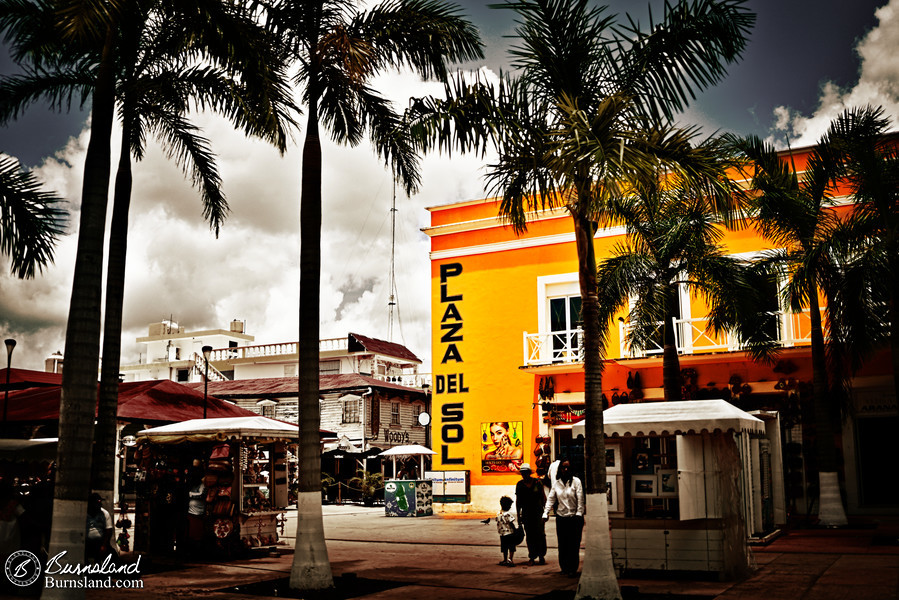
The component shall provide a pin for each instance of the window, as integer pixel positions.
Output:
(329, 367)
(416, 411)
(395, 413)
(558, 318)
(351, 411)
(183, 375)
(564, 317)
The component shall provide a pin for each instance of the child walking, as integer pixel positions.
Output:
(505, 525)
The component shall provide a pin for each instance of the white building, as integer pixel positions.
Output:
(176, 354)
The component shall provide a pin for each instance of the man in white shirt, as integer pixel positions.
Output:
(567, 495)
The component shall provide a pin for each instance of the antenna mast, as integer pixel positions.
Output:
(392, 299)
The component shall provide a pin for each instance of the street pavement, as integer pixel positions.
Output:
(455, 556)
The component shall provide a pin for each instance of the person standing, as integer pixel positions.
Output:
(529, 500)
(505, 526)
(98, 540)
(196, 510)
(567, 495)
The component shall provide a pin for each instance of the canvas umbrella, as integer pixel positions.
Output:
(408, 450)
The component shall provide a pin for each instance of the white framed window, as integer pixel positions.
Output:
(394, 413)
(559, 317)
(416, 411)
(351, 410)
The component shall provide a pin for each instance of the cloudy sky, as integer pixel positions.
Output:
(807, 60)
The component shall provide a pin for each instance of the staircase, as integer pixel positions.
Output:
(199, 370)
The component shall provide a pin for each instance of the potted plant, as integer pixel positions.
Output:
(327, 483)
(370, 484)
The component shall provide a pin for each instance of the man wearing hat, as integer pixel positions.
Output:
(529, 500)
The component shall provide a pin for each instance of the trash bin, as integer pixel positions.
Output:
(408, 498)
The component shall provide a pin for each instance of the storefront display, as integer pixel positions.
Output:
(208, 485)
(673, 470)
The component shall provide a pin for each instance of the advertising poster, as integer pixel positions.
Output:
(501, 446)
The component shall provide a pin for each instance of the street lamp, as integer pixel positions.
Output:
(10, 346)
(207, 350)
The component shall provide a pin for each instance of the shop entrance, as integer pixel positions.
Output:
(875, 443)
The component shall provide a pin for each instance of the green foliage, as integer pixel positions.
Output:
(31, 220)
(369, 483)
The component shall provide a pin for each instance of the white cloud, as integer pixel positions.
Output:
(176, 267)
(878, 84)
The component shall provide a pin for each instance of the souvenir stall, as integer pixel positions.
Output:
(405, 497)
(680, 486)
(213, 484)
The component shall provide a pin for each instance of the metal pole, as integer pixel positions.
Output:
(10, 346)
(206, 351)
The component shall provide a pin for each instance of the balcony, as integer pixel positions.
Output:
(556, 347)
(692, 336)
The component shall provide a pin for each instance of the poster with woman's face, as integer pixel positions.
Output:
(502, 446)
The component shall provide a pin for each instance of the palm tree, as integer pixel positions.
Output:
(59, 72)
(31, 220)
(157, 81)
(339, 50)
(673, 222)
(869, 167)
(579, 71)
(797, 214)
(46, 34)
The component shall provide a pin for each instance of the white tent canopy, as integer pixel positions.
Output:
(408, 450)
(198, 430)
(671, 418)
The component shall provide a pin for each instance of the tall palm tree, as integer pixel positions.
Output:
(43, 35)
(797, 214)
(31, 220)
(157, 82)
(673, 218)
(137, 42)
(869, 167)
(339, 50)
(579, 70)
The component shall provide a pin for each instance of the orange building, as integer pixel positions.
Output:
(508, 377)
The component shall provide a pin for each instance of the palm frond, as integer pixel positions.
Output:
(664, 65)
(31, 220)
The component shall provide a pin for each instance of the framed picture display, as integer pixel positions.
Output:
(667, 483)
(612, 493)
(644, 486)
(643, 461)
(613, 458)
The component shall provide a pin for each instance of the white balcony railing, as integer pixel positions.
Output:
(553, 347)
(413, 380)
(692, 336)
(282, 349)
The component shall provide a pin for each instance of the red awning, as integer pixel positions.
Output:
(142, 401)
(19, 379)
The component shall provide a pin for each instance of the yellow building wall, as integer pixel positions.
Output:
(482, 305)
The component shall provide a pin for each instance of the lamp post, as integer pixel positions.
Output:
(207, 350)
(10, 346)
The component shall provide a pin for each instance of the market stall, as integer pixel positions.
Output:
(217, 484)
(408, 497)
(681, 490)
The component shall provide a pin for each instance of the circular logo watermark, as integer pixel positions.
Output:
(22, 568)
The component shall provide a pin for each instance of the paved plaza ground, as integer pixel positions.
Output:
(449, 557)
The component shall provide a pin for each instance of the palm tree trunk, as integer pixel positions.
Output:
(893, 312)
(598, 578)
(830, 505)
(311, 568)
(78, 400)
(106, 434)
(670, 360)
